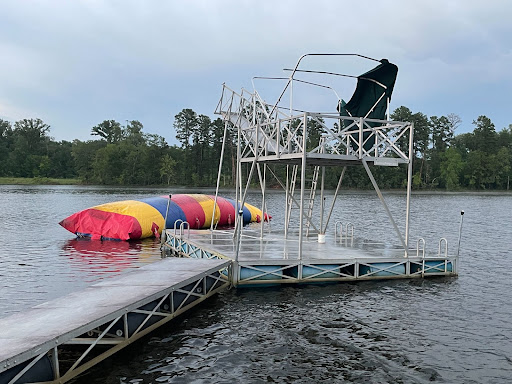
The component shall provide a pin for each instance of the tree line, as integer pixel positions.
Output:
(126, 155)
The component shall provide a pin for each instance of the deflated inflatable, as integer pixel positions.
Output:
(137, 219)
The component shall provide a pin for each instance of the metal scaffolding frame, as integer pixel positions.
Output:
(271, 134)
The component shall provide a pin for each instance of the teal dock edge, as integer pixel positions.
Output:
(271, 270)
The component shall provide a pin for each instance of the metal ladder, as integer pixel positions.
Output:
(309, 201)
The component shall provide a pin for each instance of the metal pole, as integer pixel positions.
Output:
(334, 198)
(322, 186)
(409, 182)
(239, 230)
(360, 149)
(167, 211)
(302, 185)
(377, 189)
(291, 94)
(460, 231)
(238, 176)
(287, 197)
(263, 187)
(220, 171)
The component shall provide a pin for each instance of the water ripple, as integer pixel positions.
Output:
(447, 330)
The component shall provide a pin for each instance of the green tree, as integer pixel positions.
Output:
(485, 137)
(315, 131)
(84, 153)
(62, 163)
(109, 163)
(185, 123)
(110, 130)
(421, 136)
(505, 137)
(502, 167)
(442, 133)
(167, 168)
(133, 133)
(30, 142)
(34, 132)
(5, 146)
(44, 167)
(451, 168)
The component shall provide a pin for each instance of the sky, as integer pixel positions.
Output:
(76, 63)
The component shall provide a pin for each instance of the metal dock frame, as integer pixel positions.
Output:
(257, 272)
(112, 330)
(272, 135)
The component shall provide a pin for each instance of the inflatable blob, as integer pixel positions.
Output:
(137, 219)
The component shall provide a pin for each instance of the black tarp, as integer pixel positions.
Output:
(365, 100)
(368, 91)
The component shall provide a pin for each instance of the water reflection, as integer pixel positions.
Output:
(96, 256)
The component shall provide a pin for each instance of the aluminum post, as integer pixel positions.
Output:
(409, 182)
(460, 231)
(220, 171)
(379, 193)
(302, 185)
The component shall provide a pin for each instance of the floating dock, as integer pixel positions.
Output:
(272, 260)
(291, 145)
(102, 319)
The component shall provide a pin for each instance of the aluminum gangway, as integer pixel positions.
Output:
(55, 341)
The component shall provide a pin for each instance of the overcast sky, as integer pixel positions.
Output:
(76, 63)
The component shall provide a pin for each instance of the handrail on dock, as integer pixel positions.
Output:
(441, 241)
(349, 229)
(421, 241)
(181, 227)
(336, 225)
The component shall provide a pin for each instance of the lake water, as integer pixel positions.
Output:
(450, 330)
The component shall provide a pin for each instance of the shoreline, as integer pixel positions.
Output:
(77, 182)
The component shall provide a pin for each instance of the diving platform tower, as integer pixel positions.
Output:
(304, 142)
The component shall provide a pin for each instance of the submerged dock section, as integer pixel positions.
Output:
(290, 143)
(57, 340)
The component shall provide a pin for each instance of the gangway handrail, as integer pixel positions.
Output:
(176, 225)
(180, 224)
(422, 241)
(351, 227)
(441, 241)
(336, 224)
(182, 227)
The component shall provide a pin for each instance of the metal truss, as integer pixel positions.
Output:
(289, 271)
(100, 339)
(269, 135)
(273, 136)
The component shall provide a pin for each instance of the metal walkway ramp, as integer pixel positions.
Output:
(103, 318)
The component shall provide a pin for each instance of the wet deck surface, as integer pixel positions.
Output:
(59, 320)
(275, 247)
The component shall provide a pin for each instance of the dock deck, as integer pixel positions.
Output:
(103, 318)
(275, 259)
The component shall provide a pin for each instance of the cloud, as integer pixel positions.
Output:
(78, 62)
